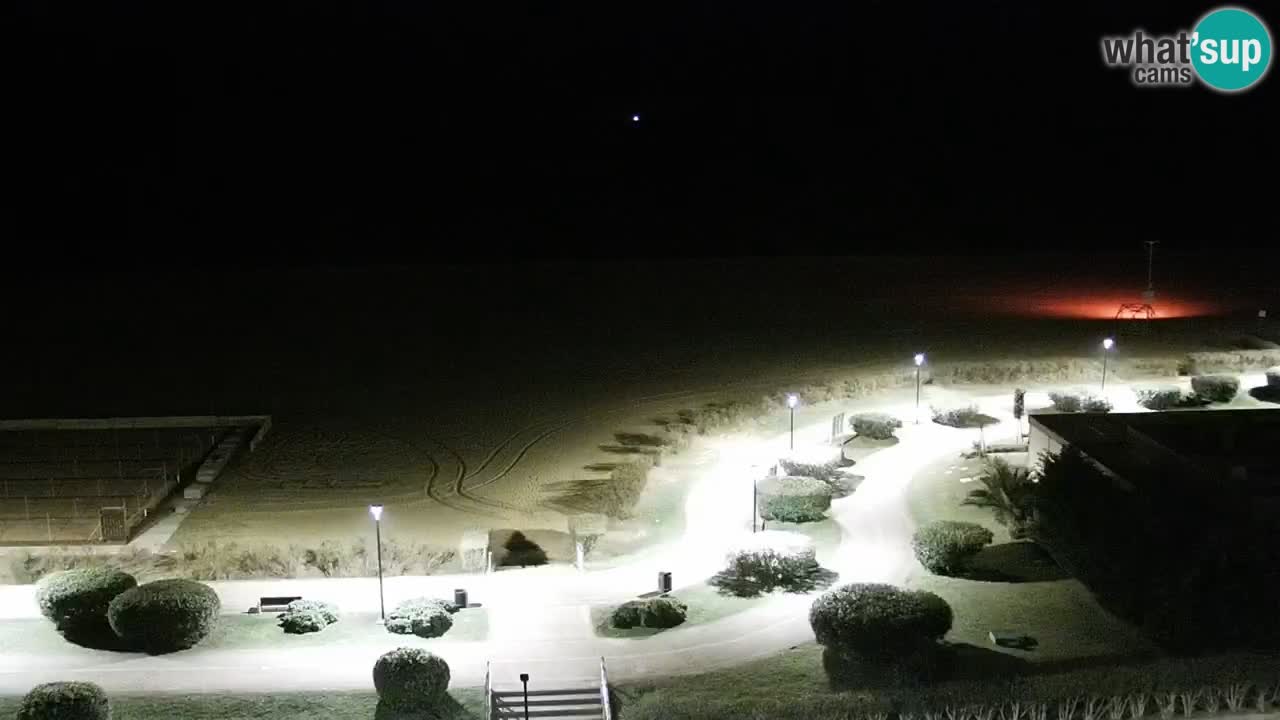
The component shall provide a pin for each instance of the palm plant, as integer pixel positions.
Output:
(1008, 492)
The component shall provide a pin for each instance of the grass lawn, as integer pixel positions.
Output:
(246, 632)
(1013, 585)
(468, 704)
(706, 604)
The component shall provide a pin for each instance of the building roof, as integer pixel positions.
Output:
(1145, 449)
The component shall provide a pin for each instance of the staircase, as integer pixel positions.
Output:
(584, 700)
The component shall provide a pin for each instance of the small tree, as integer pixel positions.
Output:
(523, 552)
(1009, 492)
(1019, 406)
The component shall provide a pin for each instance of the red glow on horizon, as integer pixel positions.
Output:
(1096, 307)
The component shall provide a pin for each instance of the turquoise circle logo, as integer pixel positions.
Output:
(1231, 49)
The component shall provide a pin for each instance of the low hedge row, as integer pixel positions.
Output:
(792, 498)
(944, 547)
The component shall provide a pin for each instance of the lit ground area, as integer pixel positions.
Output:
(356, 631)
(467, 704)
(508, 461)
(56, 483)
(1014, 586)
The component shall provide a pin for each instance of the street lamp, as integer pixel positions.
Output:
(792, 401)
(1107, 344)
(919, 361)
(376, 512)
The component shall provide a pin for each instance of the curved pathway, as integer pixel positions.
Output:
(539, 617)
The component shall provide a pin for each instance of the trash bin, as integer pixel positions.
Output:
(664, 582)
(460, 598)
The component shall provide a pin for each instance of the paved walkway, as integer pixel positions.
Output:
(539, 617)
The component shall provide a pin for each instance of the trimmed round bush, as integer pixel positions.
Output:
(1273, 377)
(877, 426)
(302, 622)
(877, 620)
(424, 617)
(327, 611)
(164, 615)
(1216, 388)
(793, 498)
(65, 701)
(410, 677)
(1166, 397)
(944, 547)
(658, 612)
(75, 598)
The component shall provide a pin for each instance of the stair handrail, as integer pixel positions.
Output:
(488, 692)
(604, 691)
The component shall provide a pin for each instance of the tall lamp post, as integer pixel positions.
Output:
(376, 512)
(1107, 344)
(792, 401)
(919, 361)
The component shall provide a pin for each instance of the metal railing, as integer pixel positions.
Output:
(604, 691)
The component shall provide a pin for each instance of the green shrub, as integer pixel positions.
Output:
(164, 615)
(65, 701)
(1159, 398)
(879, 621)
(523, 552)
(1216, 388)
(1019, 403)
(424, 617)
(1066, 402)
(964, 417)
(832, 473)
(410, 678)
(658, 612)
(944, 547)
(308, 616)
(877, 426)
(1073, 402)
(768, 561)
(1095, 404)
(74, 599)
(328, 611)
(791, 498)
(302, 622)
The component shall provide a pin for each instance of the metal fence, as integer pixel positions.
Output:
(75, 486)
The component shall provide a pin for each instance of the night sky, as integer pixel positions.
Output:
(330, 132)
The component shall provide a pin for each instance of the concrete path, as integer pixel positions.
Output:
(539, 617)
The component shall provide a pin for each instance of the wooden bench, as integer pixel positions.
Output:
(278, 603)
